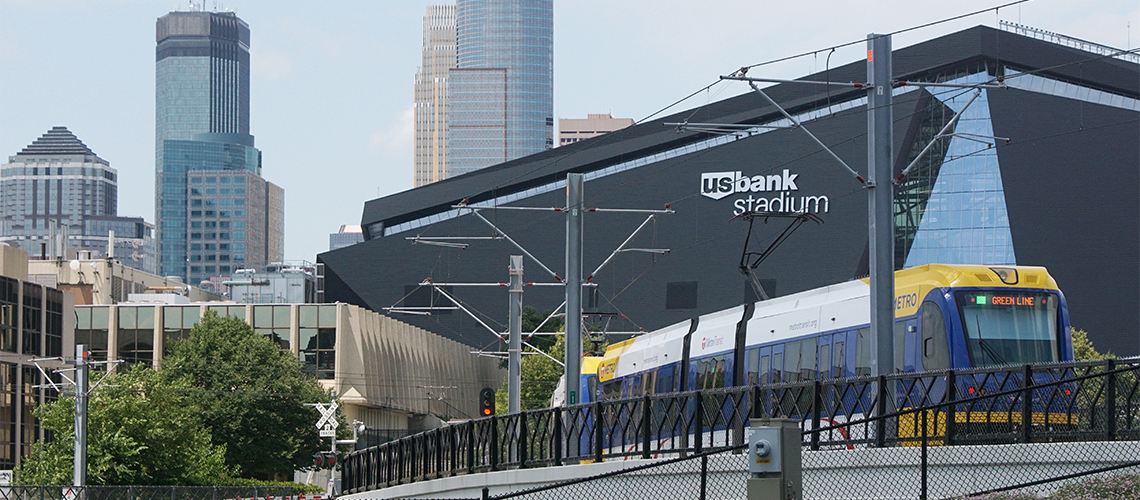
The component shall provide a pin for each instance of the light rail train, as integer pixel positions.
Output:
(946, 316)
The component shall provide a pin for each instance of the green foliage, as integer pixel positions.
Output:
(1083, 349)
(250, 394)
(141, 430)
(539, 376)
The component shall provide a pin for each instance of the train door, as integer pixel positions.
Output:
(778, 364)
(824, 357)
(765, 376)
(752, 366)
(839, 343)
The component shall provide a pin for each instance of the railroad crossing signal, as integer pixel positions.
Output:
(324, 460)
(327, 423)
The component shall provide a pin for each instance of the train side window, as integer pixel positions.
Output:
(765, 377)
(718, 374)
(665, 380)
(792, 362)
(751, 366)
(701, 374)
(648, 383)
(777, 368)
(824, 361)
(808, 350)
(611, 390)
(592, 387)
(838, 360)
(863, 352)
(935, 345)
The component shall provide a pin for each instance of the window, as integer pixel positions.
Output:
(838, 360)
(863, 352)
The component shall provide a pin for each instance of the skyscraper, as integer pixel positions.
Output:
(500, 97)
(431, 94)
(58, 182)
(202, 135)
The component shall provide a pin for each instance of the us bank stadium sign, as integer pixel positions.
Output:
(765, 193)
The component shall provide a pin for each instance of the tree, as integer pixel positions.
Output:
(141, 430)
(1083, 349)
(250, 394)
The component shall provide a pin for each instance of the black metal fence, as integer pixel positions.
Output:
(148, 493)
(1029, 404)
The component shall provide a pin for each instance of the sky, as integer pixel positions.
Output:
(332, 81)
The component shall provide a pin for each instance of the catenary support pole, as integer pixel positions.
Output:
(880, 206)
(514, 383)
(574, 204)
(81, 367)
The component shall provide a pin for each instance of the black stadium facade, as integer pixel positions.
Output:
(1059, 187)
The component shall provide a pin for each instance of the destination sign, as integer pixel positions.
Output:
(1010, 300)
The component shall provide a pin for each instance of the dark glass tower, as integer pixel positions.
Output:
(201, 124)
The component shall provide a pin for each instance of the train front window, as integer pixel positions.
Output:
(1005, 328)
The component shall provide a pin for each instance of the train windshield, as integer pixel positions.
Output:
(1005, 328)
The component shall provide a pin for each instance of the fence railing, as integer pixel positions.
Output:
(1033, 403)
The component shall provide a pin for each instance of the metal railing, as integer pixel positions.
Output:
(1067, 402)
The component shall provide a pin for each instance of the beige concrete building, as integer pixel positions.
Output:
(394, 377)
(439, 56)
(571, 130)
(97, 281)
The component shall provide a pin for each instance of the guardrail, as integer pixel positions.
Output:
(151, 493)
(1067, 402)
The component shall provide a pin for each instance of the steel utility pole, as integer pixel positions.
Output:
(81, 367)
(880, 202)
(514, 385)
(574, 204)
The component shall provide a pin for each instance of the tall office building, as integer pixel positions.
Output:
(500, 97)
(57, 195)
(431, 94)
(213, 210)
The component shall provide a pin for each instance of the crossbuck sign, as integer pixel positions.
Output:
(327, 423)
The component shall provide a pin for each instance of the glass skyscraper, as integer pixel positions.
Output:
(202, 132)
(500, 97)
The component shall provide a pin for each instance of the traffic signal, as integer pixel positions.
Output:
(324, 460)
(487, 402)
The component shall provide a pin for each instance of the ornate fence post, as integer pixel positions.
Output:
(951, 409)
(522, 445)
(470, 446)
(556, 414)
(815, 409)
(1110, 398)
(646, 423)
(699, 421)
(881, 405)
(599, 422)
(494, 444)
(1027, 404)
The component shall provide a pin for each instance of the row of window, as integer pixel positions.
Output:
(198, 214)
(218, 180)
(236, 235)
(223, 202)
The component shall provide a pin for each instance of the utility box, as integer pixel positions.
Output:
(774, 467)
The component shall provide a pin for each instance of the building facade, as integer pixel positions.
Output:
(500, 96)
(348, 234)
(208, 172)
(571, 130)
(431, 94)
(58, 196)
(35, 322)
(1058, 134)
(379, 367)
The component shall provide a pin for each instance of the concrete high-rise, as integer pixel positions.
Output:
(58, 182)
(571, 130)
(202, 135)
(500, 96)
(431, 94)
